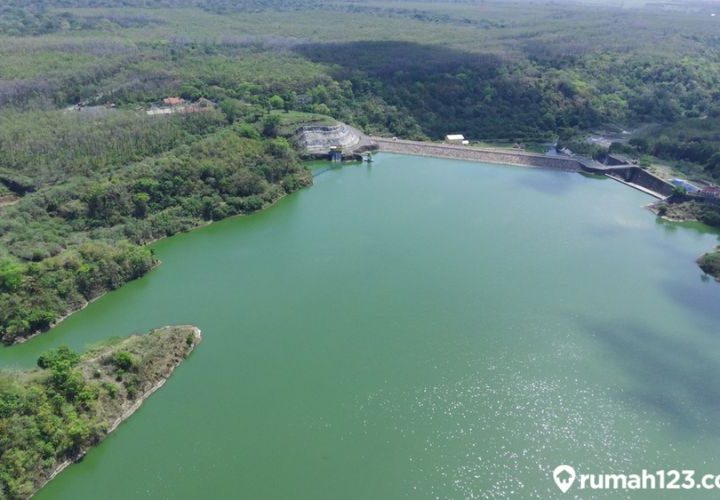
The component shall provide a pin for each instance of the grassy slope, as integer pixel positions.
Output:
(51, 417)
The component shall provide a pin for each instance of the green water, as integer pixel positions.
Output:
(417, 328)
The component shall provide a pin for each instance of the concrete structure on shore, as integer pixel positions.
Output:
(635, 177)
(490, 155)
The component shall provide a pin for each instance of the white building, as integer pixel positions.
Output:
(454, 138)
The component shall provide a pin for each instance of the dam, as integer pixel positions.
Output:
(628, 174)
(341, 142)
(491, 155)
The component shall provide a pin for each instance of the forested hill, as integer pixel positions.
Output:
(88, 176)
(78, 232)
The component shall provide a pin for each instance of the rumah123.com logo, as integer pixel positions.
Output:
(564, 477)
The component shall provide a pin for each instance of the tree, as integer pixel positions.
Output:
(190, 92)
(124, 361)
(140, 201)
(58, 356)
(10, 275)
(276, 102)
(713, 165)
(271, 125)
(232, 108)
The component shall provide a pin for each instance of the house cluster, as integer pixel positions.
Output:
(171, 105)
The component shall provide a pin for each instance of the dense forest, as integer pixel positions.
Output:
(78, 230)
(87, 177)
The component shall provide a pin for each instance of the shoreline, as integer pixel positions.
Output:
(684, 215)
(128, 412)
(58, 321)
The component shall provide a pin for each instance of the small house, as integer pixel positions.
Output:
(454, 138)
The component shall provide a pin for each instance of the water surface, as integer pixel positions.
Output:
(412, 329)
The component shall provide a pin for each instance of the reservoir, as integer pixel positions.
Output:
(416, 328)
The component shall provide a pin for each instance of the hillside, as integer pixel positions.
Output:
(77, 234)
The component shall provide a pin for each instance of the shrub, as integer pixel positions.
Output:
(124, 361)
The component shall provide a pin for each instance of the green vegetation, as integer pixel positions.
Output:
(678, 207)
(75, 233)
(95, 184)
(710, 263)
(52, 415)
(288, 122)
(88, 178)
(690, 142)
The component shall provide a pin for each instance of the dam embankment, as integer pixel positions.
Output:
(490, 155)
(631, 175)
(636, 177)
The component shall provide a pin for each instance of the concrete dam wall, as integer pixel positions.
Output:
(636, 177)
(631, 175)
(506, 157)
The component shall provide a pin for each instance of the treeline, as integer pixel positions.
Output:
(43, 148)
(71, 86)
(33, 19)
(491, 97)
(443, 91)
(67, 243)
(42, 17)
(410, 89)
(695, 140)
(35, 295)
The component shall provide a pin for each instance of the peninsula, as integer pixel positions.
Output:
(51, 416)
